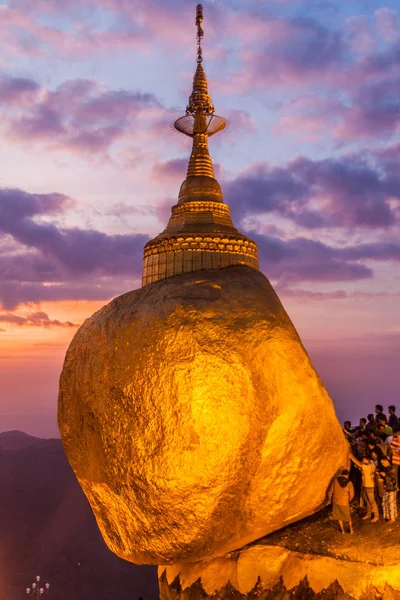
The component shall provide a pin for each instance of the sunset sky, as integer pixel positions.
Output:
(89, 168)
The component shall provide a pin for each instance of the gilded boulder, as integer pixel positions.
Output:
(193, 418)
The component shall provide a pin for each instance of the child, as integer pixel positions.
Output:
(341, 494)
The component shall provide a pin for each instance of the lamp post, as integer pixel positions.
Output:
(35, 590)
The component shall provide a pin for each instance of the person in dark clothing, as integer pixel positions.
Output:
(392, 421)
(341, 493)
(348, 431)
(361, 446)
(379, 412)
(381, 432)
(362, 426)
(371, 425)
(389, 504)
(373, 447)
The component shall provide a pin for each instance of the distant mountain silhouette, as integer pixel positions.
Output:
(47, 528)
(16, 440)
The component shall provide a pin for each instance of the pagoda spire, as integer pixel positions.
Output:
(200, 101)
(200, 122)
(200, 233)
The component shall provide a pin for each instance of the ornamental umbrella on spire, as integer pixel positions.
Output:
(200, 233)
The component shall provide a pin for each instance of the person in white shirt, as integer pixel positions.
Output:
(368, 468)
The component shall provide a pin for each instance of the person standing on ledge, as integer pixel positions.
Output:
(341, 494)
(387, 429)
(395, 448)
(368, 469)
(371, 425)
(389, 504)
(379, 412)
(392, 421)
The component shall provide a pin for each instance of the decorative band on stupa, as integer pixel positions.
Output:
(200, 233)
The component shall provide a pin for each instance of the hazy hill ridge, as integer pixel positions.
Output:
(47, 528)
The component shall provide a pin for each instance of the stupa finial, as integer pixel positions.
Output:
(200, 117)
(200, 101)
(200, 122)
(200, 233)
(200, 32)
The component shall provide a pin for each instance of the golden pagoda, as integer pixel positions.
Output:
(187, 407)
(200, 233)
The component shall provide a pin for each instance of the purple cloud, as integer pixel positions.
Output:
(78, 250)
(17, 90)
(380, 251)
(269, 53)
(283, 52)
(35, 319)
(174, 171)
(375, 111)
(28, 266)
(45, 253)
(79, 115)
(351, 73)
(302, 259)
(87, 264)
(15, 293)
(349, 191)
(16, 204)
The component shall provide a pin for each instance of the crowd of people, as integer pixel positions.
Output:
(373, 477)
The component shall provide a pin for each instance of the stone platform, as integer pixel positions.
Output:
(308, 560)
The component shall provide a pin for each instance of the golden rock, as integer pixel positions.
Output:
(193, 418)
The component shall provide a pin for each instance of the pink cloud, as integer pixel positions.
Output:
(136, 25)
(34, 319)
(282, 52)
(309, 116)
(360, 35)
(388, 25)
(375, 112)
(79, 115)
(369, 109)
(22, 34)
(170, 172)
(238, 122)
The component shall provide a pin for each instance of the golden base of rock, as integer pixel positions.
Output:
(193, 418)
(308, 560)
